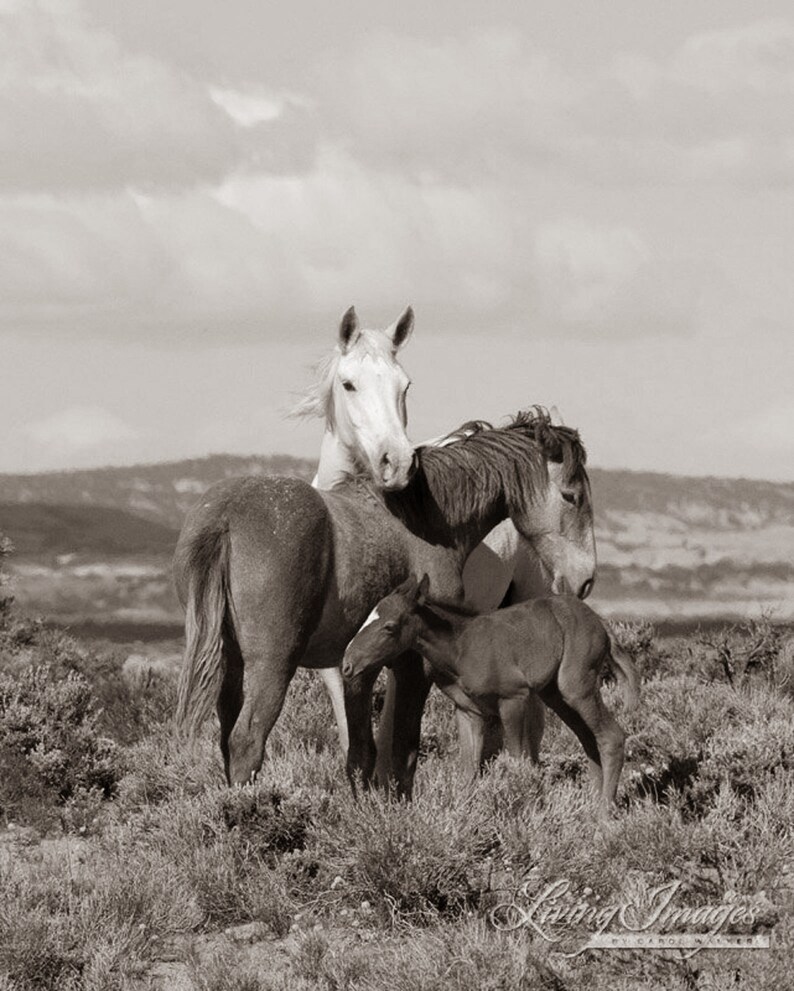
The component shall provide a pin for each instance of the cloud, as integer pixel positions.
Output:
(266, 255)
(717, 109)
(80, 429)
(77, 112)
(754, 57)
(454, 108)
(490, 104)
(608, 281)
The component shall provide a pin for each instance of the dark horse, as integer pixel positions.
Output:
(275, 574)
(490, 664)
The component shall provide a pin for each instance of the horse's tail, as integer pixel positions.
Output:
(626, 672)
(207, 623)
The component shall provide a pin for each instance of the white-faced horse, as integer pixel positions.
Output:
(360, 393)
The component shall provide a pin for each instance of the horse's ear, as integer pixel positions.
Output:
(556, 417)
(400, 330)
(422, 589)
(348, 328)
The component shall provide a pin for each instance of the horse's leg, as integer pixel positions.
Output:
(383, 764)
(493, 739)
(230, 697)
(579, 688)
(332, 679)
(270, 664)
(530, 581)
(553, 698)
(534, 719)
(610, 739)
(358, 709)
(413, 683)
(512, 715)
(471, 737)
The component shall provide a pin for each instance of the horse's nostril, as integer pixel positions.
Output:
(347, 669)
(385, 460)
(586, 589)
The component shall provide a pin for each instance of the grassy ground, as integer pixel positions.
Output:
(126, 864)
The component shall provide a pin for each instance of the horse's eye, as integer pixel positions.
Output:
(348, 387)
(390, 627)
(569, 497)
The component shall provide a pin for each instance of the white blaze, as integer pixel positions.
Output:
(373, 616)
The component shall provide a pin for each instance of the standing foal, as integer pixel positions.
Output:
(488, 665)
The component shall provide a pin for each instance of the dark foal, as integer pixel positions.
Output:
(489, 664)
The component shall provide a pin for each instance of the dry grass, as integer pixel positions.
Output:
(290, 884)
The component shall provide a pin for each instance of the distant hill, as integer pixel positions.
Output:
(164, 492)
(160, 492)
(40, 531)
(667, 545)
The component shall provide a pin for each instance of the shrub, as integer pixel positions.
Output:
(50, 746)
(412, 862)
(5, 600)
(737, 652)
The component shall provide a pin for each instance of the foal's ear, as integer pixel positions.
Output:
(400, 330)
(422, 589)
(348, 328)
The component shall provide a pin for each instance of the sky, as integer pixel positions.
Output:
(587, 205)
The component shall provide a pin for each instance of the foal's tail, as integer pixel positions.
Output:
(626, 672)
(207, 622)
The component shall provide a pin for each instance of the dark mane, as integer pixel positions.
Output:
(561, 444)
(478, 464)
(479, 468)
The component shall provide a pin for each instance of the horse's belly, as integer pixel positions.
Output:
(354, 591)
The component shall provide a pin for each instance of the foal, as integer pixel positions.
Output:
(488, 664)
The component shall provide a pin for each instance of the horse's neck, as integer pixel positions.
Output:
(336, 462)
(437, 642)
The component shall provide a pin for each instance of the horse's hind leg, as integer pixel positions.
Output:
(553, 698)
(230, 697)
(268, 670)
(610, 739)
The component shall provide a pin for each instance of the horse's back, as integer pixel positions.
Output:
(269, 521)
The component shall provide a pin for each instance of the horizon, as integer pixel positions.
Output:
(247, 456)
(587, 208)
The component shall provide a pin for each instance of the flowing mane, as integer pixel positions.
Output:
(316, 400)
(478, 465)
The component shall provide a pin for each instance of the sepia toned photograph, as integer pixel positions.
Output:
(396, 495)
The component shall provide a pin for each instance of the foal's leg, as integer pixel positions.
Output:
(578, 684)
(512, 714)
(552, 696)
(610, 740)
(471, 738)
(534, 719)
(493, 739)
